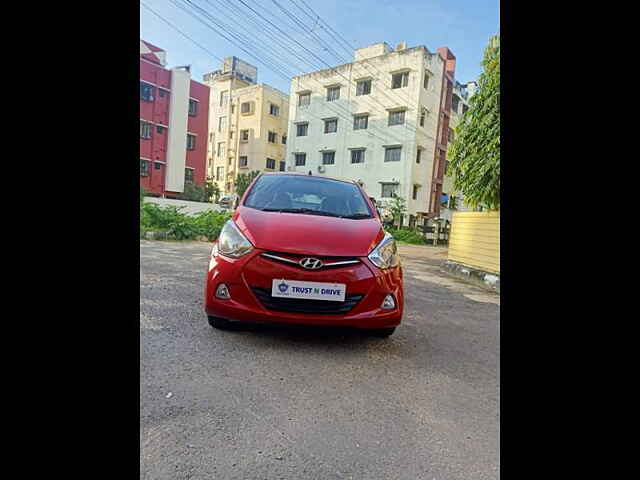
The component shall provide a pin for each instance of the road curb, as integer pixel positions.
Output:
(481, 278)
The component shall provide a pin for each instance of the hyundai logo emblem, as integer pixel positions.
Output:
(311, 263)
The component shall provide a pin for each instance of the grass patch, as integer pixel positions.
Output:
(404, 235)
(178, 225)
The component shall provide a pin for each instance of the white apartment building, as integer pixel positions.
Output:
(382, 120)
(247, 124)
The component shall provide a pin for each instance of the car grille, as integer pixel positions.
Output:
(293, 260)
(297, 305)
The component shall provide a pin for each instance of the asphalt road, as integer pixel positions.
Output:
(314, 403)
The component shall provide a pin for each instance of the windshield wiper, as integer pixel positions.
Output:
(357, 215)
(309, 211)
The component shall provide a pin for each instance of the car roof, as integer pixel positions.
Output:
(300, 174)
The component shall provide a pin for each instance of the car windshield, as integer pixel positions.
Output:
(307, 195)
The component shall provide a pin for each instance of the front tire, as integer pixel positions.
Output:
(383, 332)
(219, 323)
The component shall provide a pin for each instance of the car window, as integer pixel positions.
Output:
(307, 195)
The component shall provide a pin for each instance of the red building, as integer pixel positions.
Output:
(174, 116)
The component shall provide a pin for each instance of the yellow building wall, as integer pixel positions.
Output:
(475, 240)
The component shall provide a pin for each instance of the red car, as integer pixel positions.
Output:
(308, 250)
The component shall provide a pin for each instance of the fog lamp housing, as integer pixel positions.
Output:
(388, 303)
(222, 292)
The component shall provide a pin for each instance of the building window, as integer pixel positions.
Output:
(243, 161)
(157, 165)
(274, 110)
(224, 98)
(245, 108)
(328, 158)
(301, 129)
(160, 129)
(426, 81)
(220, 151)
(455, 101)
(284, 139)
(193, 108)
(331, 126)
(357, 156)
(423, 115)
(146, 92)
(304, 99)
(271, 164)
(396, 118)
(360, 122)
(418, 155)
(301, 159)
(191, 142)
(399, 80)
(363, 87)
(244, 135)
(415, 192)
(389, 190)
(222, 123)
(188, 175)
(145, 129)
(219, 173)
(282, 165)
(273, 137)
(144, 168)
(392, 154)
(162, 93)
(333, 93)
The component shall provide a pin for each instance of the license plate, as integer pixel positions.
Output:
(308, 290)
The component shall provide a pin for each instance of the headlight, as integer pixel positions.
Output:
(385, 255)
(232, 243)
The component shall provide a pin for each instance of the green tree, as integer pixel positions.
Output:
(211, 190)
(398, 207)
(244, 180)
(474, 160)
(192, 193)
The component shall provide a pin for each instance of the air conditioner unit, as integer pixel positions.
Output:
(320, 168)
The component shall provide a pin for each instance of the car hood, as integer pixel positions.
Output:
(309, 234)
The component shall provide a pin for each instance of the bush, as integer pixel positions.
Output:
(159, 218)
(193, 193)
(408, 236)
(210, 223)
(179, 225)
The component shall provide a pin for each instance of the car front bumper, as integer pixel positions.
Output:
(242, 276)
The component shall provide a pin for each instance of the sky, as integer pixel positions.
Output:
(287, 46)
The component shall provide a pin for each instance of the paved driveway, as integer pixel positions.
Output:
(315, 403)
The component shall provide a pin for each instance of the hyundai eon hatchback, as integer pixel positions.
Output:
(308, 250)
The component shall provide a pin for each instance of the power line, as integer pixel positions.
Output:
(273, 65)
(333, 69)
(270, 64)
(337, 37)
(266, 33)
(266, 63)
(179, 31)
